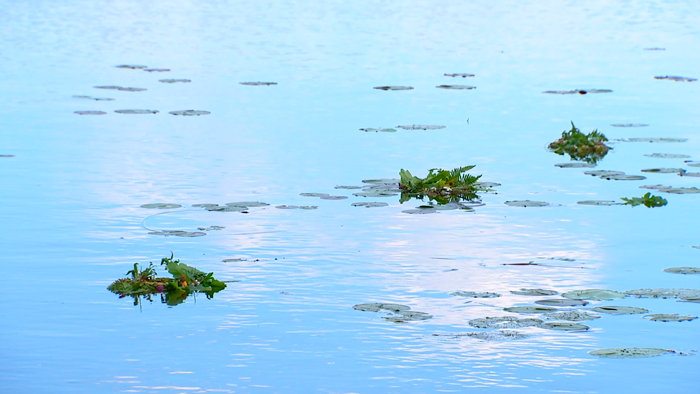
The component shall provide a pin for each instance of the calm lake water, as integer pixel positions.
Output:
(72, 221)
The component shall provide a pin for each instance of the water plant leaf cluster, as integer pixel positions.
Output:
(440, 185)
(186, 280)
(589, 147)
(648, 200)
(398, 313)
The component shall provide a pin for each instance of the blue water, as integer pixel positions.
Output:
(72, 222)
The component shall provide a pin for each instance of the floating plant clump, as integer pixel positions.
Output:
(185, 281)
(562, 302)
(589, 148)
(440, 185)
(564, 326)
(394, 87)
(648, 200)
(530, 309)
(664, 170)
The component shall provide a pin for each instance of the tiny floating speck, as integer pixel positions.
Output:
(90, 112)
(394, 87)
(258, 83)
(170, 80)
(189, 112)
(136, 111)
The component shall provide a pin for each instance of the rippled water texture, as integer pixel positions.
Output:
(73, 186)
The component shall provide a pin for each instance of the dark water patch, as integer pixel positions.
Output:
(654, 49)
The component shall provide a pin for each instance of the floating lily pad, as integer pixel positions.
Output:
(378, 130)
(575, 165)
(114, 87)
(573, 315)
(170, 80)
(131, 66)
(406, 316)
(189, 112)
(628, 352)
(690, 174)
(394, 87)
(178, 233)
(287, 207)
(369, 204)
(655, 140)
(594, 294)
(375, 194)
(565, 326)
(603, 173)
(656, 187)
(132, 89)
(463, 75)
(348, 187)
(691, 163)
(624, 177)
(629, 125)
(669, 317)
(562, 302)
(308, 207)
(664, 293)
(456, 87)
(136, 111)
(474, 294)
(161, 206)
(681, 190)
(683, 270)
(594, 91)
(7, 155)
(620, 310)
(530, 309)
(157, 70)
(534, 292)
(667, 156)
(205, 205)
(421, 127)
(90, 112)
(579, 91)
(258, 83)
(526, 203)
(232, 208)
(314, 194)
(334, 198)
(598, 202)
(376, 306)
(499, 335)
(250, 204)
(504, 322)
(664, 170)
(486, 185)
(420, 211)
(676, 79)
(211, 228)
(94, 98)
(232, 260)
(382, 180)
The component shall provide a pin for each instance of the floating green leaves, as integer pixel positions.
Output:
(526, 203)
(400, 313)
(669, 317)
(394, 87)
(456, 87)
(534, 292)
(619, 310)
(676, 79)
(189, 112)
(504, 322)
(628, 352)
(683, 270)
(474, 294)
(594, 294)
(440, 185)
(136, 111)
(529, 309)
(581, 147)
(160, 205)
(648, 200)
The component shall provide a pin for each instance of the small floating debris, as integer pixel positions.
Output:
(504, 322)
(562, 302)
(189, 112)
(131, 66)
(526, 203)
(562, 326)
(90, 112)
(629, 125)
(369, 204)
(575, 165)
(421, 127)
(534, 292)
(161, 206)
(599, 202)
(314, 194)
(669, 317)
(573, 315)
(463, 75)
(530, 309)
(683, 270)
(394, 87)
(385, 130)
(676, 78)
(664, 170)
(334, 198)
(474, 294)
(628, 352)
(594, 294)
(258, 83)
(136, 111)
(170, 80)
(157, 70)
(456, 87)
(620, 310)
(667, 156)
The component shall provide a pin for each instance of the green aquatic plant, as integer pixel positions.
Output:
(589, 147)
(440, 185)
(185, 280)
(648, 200)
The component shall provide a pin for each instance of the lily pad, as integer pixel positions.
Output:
(664, 293)
(178, 233)
(7, 155)
(603, 173)
(232, 208)
(624, 177)
(526, 203)
(629, 125)
(287, 207)
(189, 112)
(534, 292)
(394, 87)
(170, 80)
(387, 130)
(573, 315)
(565, 326)
(628, 352)
(406, 316)
(676, 79)
(131, 66)
(456, 87)
(94, 98)
(113, 87)
(90, 112)
(474, 294)
(205, 205)
(530, 309)
(250, 204)
(575, 165)
(382, 180)
(420, 211)
(681, 190)
(132, 89)
(376, 306)
(620, 310)
(161, 206)
(594, 294)
(463, 75)
(562, 302)
(683, 270)
(348, 187)
(690, 174)
(211, 228)
(314, 194)
(308, 207)
(136, 111)
(664, 170)
(498, 335)
(667, 156)
(656, 139)
(691, 163)
(369, 204)
(334, 198)
(421, 127)
(157, 70)
(504, 322)
(375, 194)
(258, 83)
(598, 202)
(656, 187)
(669, 317)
